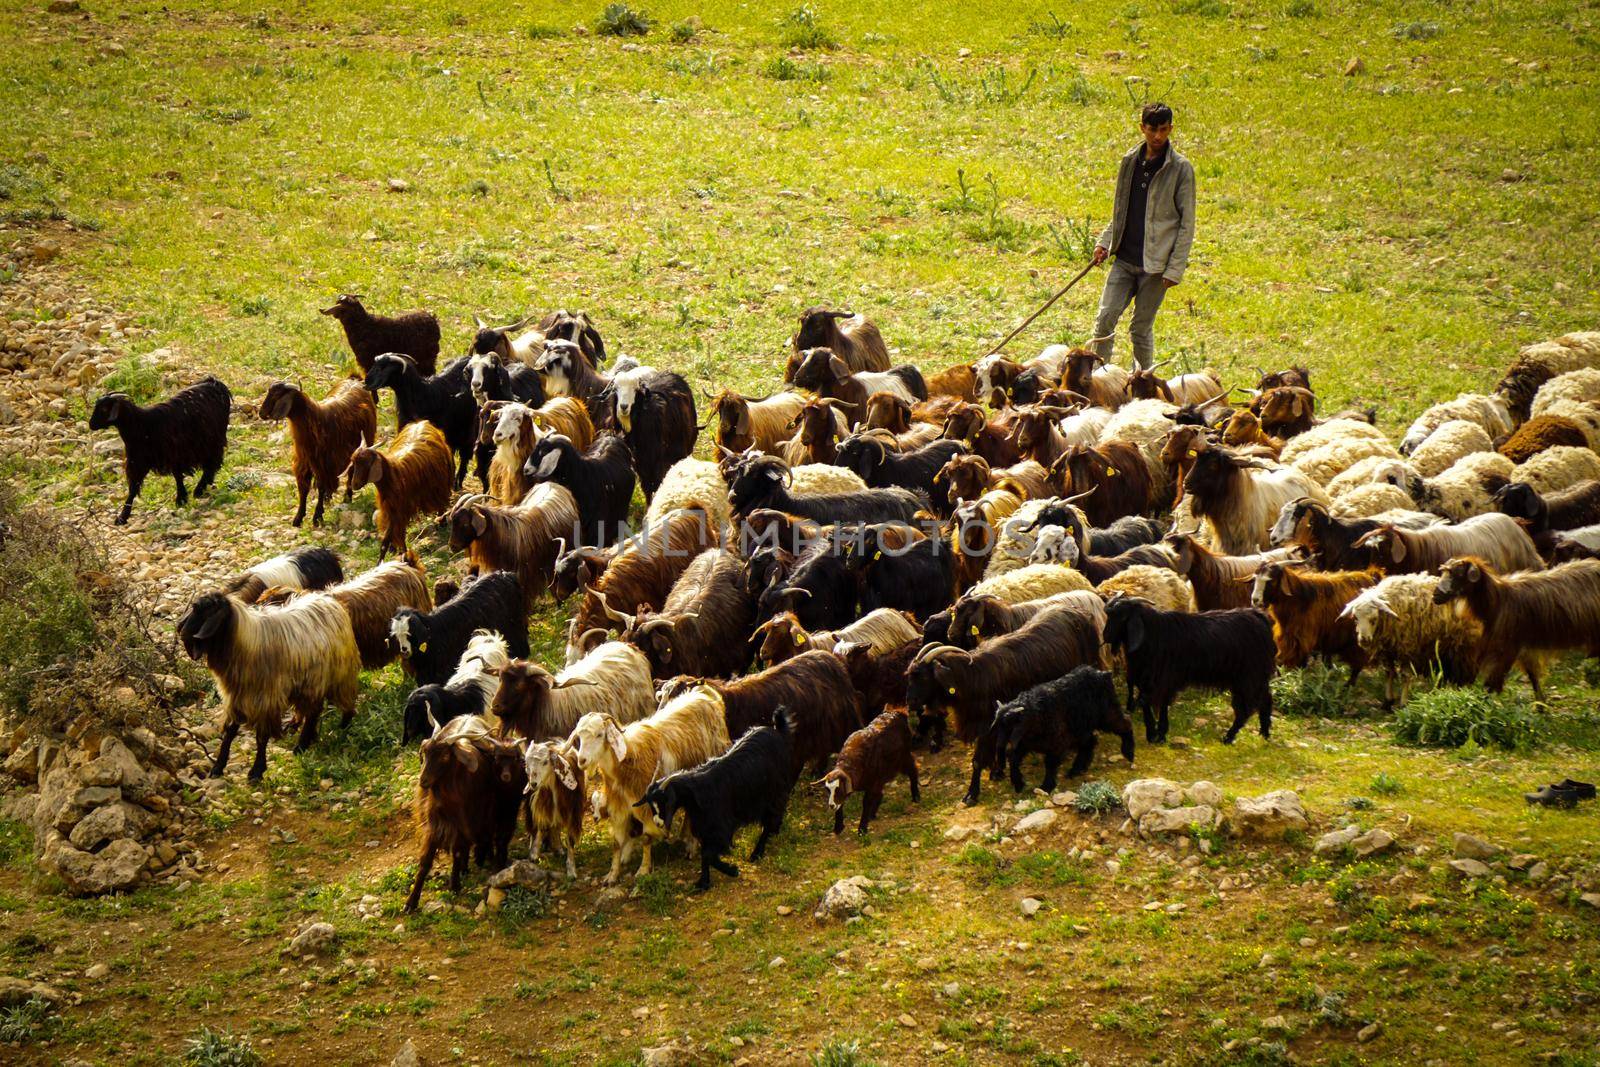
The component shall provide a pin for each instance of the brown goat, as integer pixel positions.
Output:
(958, 381)
(1540, 433)
(371, 599)
(1178, 453)
(1549, 611)
(989, 438)
(1244, 431)
(1104, 386)
(853, 338)
(703, 627)
(640, 577)
(936, 409)
(872, 757)
(325, 435)
(469, 795)
(1219, 581)
(1288, 410)
(1037, 434)
(1306, 611)
(524, 539)
(1114, 475)
(818, 428)
(414, 475)
(814, 686)
(762, 423)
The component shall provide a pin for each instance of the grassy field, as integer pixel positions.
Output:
(219, 171)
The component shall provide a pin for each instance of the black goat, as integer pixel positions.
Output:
(761, 483)
(749, 783)
(655, 411)
(1055, 718)
(881, 467)
(819, 589)
(444, 399)
(600, 480)
(412, 333)
(1169, 651)
(469, 691)
(917, 578)
(308, 568)
(1570, 508)
(431, 644)
(1098, 568)
(178, 436)
(492, 378)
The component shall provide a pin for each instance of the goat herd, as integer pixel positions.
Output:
(897, 554)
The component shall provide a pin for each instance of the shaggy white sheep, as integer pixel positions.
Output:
(1400, 626)
(1326, 462)
(1559, 468)
(1031, 582)
(814, 478)
(691, 483)
(1489, 412)
(1145, 424)
(1578, 387)
(1326, 433)
(1447, 444)
(1165, 588)
(1366, 501)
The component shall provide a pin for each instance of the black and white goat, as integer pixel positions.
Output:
(431, 644)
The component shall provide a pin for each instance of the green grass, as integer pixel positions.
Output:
(941, 168)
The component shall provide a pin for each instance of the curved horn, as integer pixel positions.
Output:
(433, 723)
(561, 547)
(612, 613)
(928, 651)
(573, 682)
(1080, 496)
(585, 635)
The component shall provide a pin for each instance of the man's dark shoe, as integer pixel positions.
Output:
(1555, 795)
(1585, 790)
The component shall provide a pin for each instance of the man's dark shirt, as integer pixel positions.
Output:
(1131, 248)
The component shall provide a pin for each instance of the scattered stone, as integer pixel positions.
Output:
(1539, 872)
(951, 989)
(958, 833)
(1035, 822)
(1591, 899)
(18, 991)
(1474, 848)
(117, 866)
(313, 938)
(843, 899)
(1275, 1022)
(95, 972)
(1354, 67)
(1269, 815)
(398, 185)
(671, 1054)
(1373, 842)
(1368, 1032)
(1470, 868)
(784, 909)
(495, 898)
(1207, 793)
(908, 1021)
(1178, 820)
(407, 1056)
(1336, 840)
(64, 7)
(1148, 794)
(524, 873)
(1064, 799)
(1030, 906)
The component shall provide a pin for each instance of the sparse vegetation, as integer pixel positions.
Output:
(221, 1048)
(620, 20)
(235, 169)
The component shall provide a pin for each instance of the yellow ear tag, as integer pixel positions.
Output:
(1111, 472)
(1193, 453)
(952, 690)
(877, 555)
(974, 631)
(423, 647)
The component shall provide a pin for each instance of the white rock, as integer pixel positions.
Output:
(1035, 822)
(1269, 815)
(1208, 793)
(1470, 868)
(1148, 794)
(843, 899)
(313, 937)
(1178, 820)
(1474, 848)
(1030, 906)
(1373, 841)
(1335, 840)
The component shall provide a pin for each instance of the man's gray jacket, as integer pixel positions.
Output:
(1168, 214)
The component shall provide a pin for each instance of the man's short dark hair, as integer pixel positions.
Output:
(1156, 114)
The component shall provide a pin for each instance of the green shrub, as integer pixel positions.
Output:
(784, 69)
(1316, 691)
(840, 1053)
(137, 377)
(32, 1020)
(1451, 718)
(1416, 31)
(221, 1048)
(620, 20)
(541, 32)
(1097, 797)
(1301, 9)
(1385, 784)
(684, 32)
(802, 29)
